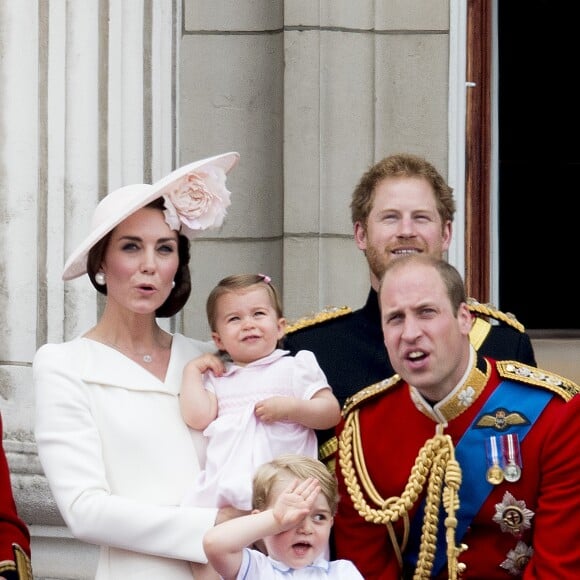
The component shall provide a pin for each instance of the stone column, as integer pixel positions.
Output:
(87, 104)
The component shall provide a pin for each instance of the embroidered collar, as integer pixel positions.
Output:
(461, 397)
(319, 562)
(278, 353)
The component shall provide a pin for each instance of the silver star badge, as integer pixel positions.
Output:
(512, 515)
(517, 559)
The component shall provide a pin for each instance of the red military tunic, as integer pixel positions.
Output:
(392, 429)
(14, 560)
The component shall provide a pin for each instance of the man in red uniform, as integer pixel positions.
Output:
(14, 534)
(460, 466)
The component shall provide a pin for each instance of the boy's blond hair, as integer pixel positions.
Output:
(296, 466)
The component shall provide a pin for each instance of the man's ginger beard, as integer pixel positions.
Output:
(378, 259)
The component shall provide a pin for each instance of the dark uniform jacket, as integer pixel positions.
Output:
(14, 534)
(350, 350)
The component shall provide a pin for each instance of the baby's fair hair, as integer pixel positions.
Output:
(237, 283)
(290, 466)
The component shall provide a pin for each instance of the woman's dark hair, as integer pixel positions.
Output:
(182, 289)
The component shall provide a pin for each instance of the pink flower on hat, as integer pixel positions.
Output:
(198, 201)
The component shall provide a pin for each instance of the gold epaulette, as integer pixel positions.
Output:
(328, 449)
(328, 313)
(368, 392)
(517, 371)
(489, 310)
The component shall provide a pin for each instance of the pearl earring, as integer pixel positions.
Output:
(173, 284)
(100, 278)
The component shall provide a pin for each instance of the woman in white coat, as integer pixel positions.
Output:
(116, 453)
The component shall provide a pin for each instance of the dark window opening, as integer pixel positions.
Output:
(539, 162)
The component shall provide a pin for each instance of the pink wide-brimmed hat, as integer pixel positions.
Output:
(195, 199)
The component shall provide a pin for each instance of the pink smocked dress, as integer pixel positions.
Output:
(237, 441)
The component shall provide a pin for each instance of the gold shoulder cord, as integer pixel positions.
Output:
(436, 463)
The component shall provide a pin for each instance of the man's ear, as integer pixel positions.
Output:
(465, 318)
(360, 236)
(447, 234)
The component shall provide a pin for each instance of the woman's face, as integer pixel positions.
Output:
(141, 261)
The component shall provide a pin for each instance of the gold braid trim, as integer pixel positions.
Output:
(490, 310)
(367, 393)
(7, 567)
(327, 314)
(20, 568)
(328, 449)
(512, 369)
(436, 464)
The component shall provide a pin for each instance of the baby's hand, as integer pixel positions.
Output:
(295, 502)
(274, 409)
(207, 362)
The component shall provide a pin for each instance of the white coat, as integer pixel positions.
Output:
(118, 457)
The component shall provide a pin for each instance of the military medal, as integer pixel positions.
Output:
(512, 461)
(512, 472)
(517, 559)
(512, 515)
(494, 474)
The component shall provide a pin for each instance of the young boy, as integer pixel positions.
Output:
(294, 501)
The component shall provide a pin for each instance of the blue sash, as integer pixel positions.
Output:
(471, 455)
